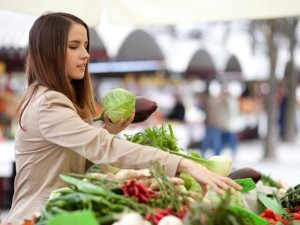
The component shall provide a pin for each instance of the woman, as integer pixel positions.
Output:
(54, 136)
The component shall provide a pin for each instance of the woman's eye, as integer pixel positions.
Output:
(72, 47)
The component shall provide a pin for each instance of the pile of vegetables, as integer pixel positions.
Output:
(110, 199)
(149, 196)
(283, 209)
(107, 195)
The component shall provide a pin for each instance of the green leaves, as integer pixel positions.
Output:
(74, 218)
(247, 184)
(84, 187)
(291, 197)
(272, 203)
(248, 216)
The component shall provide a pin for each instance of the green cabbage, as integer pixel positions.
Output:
(118, 103)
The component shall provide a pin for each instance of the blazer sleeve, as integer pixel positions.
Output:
(61, 125)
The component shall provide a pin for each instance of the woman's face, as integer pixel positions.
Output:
(77, 54)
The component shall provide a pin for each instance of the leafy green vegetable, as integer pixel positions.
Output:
(158, 137)
(268, 181)
(247, 184)
(74, 218)
(221, 213)
(291, 198)
(168, 191)
(164, 139)
(236, 198)
(190, 183)
(118, 104)
(249, 217)
(271, 203)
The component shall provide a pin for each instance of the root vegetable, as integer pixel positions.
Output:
(132, 219)
(147, 181)
(170, 220)
(127, 174)
(194, 195)
(176, 181)
(101, 175)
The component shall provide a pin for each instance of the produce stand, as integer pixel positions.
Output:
(107, 195)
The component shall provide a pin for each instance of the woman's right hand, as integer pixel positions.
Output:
(206, 177)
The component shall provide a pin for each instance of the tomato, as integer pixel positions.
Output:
(269, 213)
(284, 221)
(277, 216)
(296, 216)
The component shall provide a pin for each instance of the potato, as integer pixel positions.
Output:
(144, 107)
(245, 173)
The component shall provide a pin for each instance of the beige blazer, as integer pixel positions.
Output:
(57, 141)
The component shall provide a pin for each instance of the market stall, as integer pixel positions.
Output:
(108, 195)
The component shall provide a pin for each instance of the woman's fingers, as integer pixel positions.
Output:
(220, 183)
(115, 128)
(206, 177)
(204, 189)
(232, 183)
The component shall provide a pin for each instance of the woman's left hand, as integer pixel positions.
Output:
(115, 128)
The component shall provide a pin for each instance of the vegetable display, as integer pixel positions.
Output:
(106, 195)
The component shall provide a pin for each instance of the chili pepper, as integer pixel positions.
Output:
(157, 215)
(182, 213)
(137, 189)
(155, 220)
(142, 198)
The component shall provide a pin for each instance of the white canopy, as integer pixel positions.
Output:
(160, 11)
(88, 10)
(176, 11)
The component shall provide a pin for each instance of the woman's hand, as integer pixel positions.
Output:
(206, 177)
(115, 128)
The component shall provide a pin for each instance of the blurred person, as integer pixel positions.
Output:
(249, 110)
(178, 111)
(212, 107)
(55, 135)
(231, 122)
(281, 100)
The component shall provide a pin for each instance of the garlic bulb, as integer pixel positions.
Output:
(170, 220)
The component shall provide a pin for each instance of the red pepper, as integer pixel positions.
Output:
(182, 213)
(137, 189)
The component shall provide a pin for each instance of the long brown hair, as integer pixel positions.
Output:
(45, 64)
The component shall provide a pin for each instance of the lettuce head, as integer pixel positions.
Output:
(118, 104)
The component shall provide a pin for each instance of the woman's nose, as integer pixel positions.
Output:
(85, 54)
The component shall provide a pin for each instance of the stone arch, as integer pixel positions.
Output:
(201, 66)
(139, 45)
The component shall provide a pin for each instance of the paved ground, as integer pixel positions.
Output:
(249, 154)
(285, 167)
